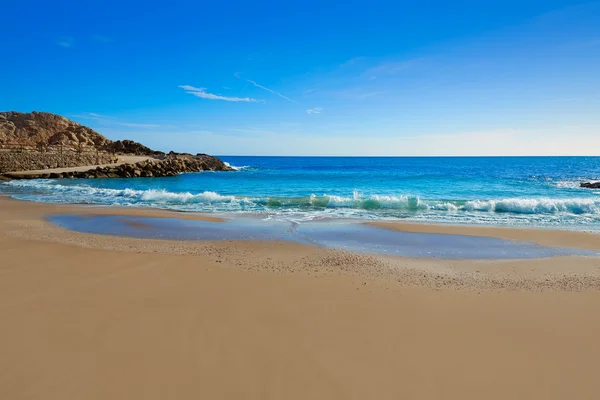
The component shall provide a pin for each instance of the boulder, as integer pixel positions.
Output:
(591, 185)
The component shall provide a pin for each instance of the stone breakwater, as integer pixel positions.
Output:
(170, 166)
(29, 160)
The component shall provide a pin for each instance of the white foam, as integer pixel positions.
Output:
(536, 206)
(236, 168)
(364, 203)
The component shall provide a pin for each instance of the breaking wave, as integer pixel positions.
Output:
(236, 168)
(212, 201)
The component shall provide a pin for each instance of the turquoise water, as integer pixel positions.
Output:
(520, 191)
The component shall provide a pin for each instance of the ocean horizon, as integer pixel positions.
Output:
(496, 191)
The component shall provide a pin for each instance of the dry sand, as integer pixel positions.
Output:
(98, 317)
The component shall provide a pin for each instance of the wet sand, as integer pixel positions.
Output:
(96, 317)
(546, 237)
(341, 234)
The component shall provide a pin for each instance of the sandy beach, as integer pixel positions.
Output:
(96, 317)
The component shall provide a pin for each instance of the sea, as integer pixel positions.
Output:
(495, 191)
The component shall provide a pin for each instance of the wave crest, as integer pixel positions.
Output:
(208, 201)
(236, 168)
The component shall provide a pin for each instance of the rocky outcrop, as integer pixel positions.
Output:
(131, 147)
(171, 166)
(591, 185)
(39, 140)
(35, 128)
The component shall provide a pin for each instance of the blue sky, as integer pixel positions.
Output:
(313, 78)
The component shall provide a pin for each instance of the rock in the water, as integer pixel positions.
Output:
(591, 185)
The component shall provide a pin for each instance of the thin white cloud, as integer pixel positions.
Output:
(203, 94)
(66, 42)
(90, 115)
(237, 75)
(270, 90)
(316, 110)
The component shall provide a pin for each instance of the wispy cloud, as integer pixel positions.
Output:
(316, 110)
(307, 91)
(237, 75)
(203, 94)
(270, 90)
(66, 42)
(107, 120)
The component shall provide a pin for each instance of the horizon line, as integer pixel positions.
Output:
(405, 156)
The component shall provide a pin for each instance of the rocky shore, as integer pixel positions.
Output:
(42, 145)
(172, 165)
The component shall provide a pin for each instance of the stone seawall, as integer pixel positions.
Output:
(170, 166)
(30, 160)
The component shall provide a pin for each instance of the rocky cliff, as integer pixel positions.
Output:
(32, 129)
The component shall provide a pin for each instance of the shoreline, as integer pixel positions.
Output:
(544, 236)
(573, 219)
(583, 240)
(283, 257)
(96, 317)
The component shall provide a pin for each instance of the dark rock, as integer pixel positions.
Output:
(131, 147)
(591, 185)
